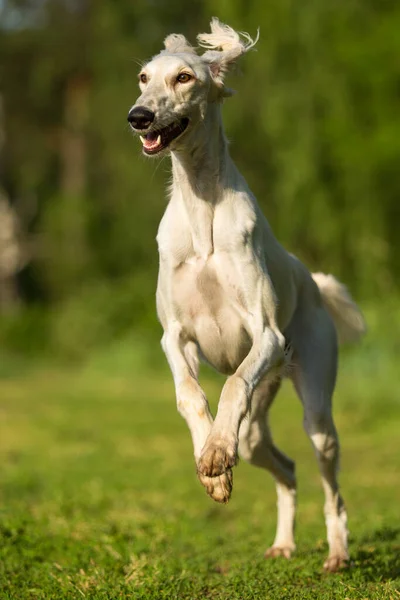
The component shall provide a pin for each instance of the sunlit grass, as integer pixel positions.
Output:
(99, 497)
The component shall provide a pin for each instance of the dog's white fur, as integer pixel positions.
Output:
(230, 294)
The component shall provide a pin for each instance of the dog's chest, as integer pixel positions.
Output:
(197, 235)
(208, 301)
(211, 309)
(201, 263)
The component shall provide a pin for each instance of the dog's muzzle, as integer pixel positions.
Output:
(155, 139)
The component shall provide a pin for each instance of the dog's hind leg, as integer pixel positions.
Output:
(314, 376)
(257, 448)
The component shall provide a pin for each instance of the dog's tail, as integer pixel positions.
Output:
(349, 321)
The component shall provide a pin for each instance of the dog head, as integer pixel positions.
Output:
(177, 86)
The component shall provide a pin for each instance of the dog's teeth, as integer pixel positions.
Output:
(142, 139)
(159, 140)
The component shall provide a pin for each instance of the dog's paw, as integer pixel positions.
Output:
(217, 458)
(336, 562)
(276, 551)
(218, 488)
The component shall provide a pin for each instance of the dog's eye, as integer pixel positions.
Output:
(183, 77)
(143, 78)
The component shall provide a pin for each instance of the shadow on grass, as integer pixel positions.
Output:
(374, 557)
(377, 557)
(385, 534)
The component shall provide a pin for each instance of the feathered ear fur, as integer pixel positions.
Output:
(176, 43)
(225, 46)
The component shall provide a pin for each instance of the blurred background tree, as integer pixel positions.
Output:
(315, 128)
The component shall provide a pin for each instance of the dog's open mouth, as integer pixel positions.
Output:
(155, 141)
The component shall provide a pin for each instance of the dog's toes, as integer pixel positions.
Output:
(217, 458)
(218, 488)
(276, 551)
(335, 563)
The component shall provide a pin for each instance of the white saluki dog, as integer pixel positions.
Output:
(230, 294)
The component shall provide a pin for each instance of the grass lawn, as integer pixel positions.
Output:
(99, 497)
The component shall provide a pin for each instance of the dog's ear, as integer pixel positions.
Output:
(225, 46)
(176, 43)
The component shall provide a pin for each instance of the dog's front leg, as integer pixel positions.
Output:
(266, 357)
(192, 404)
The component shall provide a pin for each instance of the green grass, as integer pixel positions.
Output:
(99, 497)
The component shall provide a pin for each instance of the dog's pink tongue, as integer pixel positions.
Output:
(152, 140)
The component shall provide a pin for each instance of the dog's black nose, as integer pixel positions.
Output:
(140, 118)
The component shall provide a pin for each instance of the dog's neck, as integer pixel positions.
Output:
(200, 172)
(203, 176)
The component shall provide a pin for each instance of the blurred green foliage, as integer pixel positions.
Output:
(315, 128)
